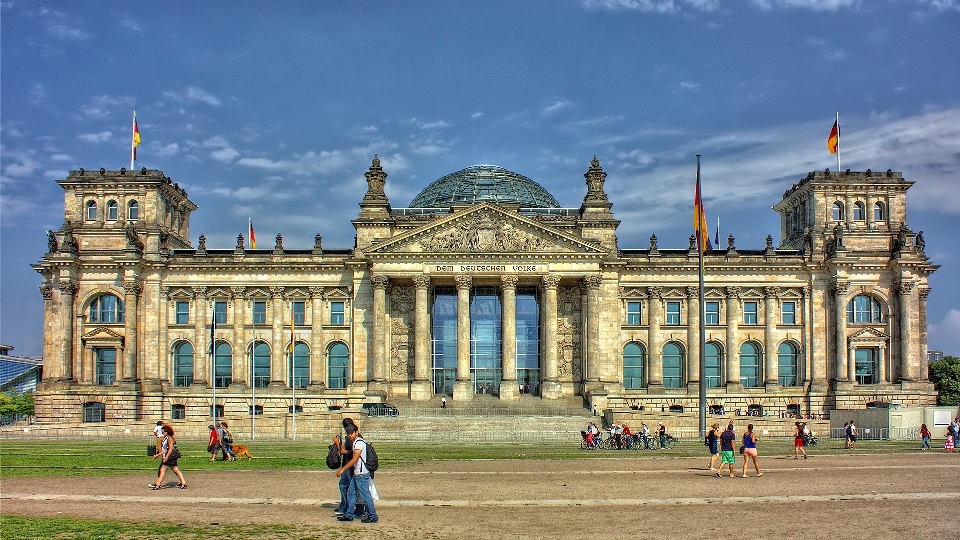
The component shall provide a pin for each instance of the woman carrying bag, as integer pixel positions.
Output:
(170, 453)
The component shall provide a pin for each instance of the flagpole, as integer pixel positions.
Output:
(838, 141)
(213, 364)
(133, 143)
(702, 387)
(293, 371)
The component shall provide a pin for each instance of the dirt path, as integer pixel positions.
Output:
(676, 498)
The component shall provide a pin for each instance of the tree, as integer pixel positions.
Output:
(945, 375)
(16, 404)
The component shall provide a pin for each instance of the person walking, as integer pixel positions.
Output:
(345, 480)
(846, 434)
(924, 437)
(712, 441)
(662, 433)
(213, 443)
(798, 441)
(443, 402)
(158, 433)
(727, 438)
(361, 479)
(170, 454)
(853, 434)
(226, 442)
(645, 435)
(750, 451)
(949, 444)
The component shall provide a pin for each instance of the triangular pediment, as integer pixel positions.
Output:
(868, 335)
(485, 228)
(337, 293)
(102, 333)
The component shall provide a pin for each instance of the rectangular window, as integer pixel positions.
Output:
(789, 312)
(712, 313)
(298, 313)
(220, 312)
(183, 312)
(336, 313)
(749, 313)
(673, 313)
(178, 412)
(259, 312)
(633, 313)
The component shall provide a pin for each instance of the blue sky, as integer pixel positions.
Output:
(274, 110)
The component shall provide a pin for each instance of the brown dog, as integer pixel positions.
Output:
(240, 450)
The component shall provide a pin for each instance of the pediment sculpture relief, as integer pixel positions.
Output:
(484, 233)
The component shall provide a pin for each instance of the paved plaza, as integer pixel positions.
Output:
(862, 496)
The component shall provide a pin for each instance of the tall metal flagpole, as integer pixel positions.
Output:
(213, 365)
(133, 141)
(703, 331)
(838, 141)
(293, 371)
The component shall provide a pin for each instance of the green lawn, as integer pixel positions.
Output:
(23, 459)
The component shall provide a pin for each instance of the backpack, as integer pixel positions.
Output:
(227, 436)
(372, 462)
(333, 457)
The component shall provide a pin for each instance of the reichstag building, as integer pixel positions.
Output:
(484, 284)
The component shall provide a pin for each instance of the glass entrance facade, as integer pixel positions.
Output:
(485, 340)
(528, 341)
(443, 334)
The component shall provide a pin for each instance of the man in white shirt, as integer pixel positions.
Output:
(361, 479)
(158, 433)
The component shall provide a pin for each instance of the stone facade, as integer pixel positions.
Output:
(831, 318)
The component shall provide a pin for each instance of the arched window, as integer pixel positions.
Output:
(632, 366)
(750, 368)
(838, 211)
(672, 365)
(864, 308)
(259, 356)
(713, 362)
(222, 365)
(91, 210)
(787, 365)
(133, 210)
(879, 212)
(112, 210)
(300, 371)
(183, 364)
(337, 356)
(106, 308)
(858, 211)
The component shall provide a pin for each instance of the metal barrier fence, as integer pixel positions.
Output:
(879, 434)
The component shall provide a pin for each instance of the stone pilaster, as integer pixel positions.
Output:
(463, 387)
(840, 288)
(922, 294)
(131, 295)
(238, 375)
(909, 366)
(420, 388)
(317, 354)
(509, 387)
(733, 345)
(550, 389)
(201, 353)
(592, 371)
(654, 340)
(68, 290)
(379, 337)
(771, 358)
(277, 367)
(693, 339)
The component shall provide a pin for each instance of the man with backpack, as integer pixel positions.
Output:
(362, 478)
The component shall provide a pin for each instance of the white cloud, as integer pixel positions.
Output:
(429, 125)
(815, 5)
(19, 164)
(945, 335)
(198, 94)
(656, 6)
(56, 174)
(555, 104)
(129, 24)
(166, 150)
(223, 151)
(685, 85)
(62, 31)
(60, 157)
(476, 115)
(101, 137)
(38, 93)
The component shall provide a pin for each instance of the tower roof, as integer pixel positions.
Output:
(484, 183)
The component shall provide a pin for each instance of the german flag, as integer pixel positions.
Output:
(833, 143)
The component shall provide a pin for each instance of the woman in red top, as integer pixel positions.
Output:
(798, 441)
(924, 437)
(213, 445)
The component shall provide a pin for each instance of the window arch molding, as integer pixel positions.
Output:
(859, 211)
(338, 364)
(183, 361)
(90, 210)
(112, 210)
(788, 363)
(837, 211)
(879, 211)
(867, 308)
(674, 356)
(133, 210)
(634, 365)
(751, 364)
(104, 307)
(714, 360)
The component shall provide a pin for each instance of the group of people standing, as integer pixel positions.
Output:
(721, 444)
(221, 440)
(355, 478)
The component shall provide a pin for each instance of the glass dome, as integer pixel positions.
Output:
(484, 183)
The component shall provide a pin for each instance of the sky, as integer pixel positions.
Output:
(274, 110)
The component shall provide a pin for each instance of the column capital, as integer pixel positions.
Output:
(771, 292)
(132, 287)
(693, 292)
(655, 292)
(550, 281)
(316, 291)
(68, 288)
(239, 291)
(47, 291)
(905, 287)
(276, 293)
(840, 287)
(464, 282)
(421, 282)
(924, 292)
(165, 292)
(508, 282)
(379, 282)
(592, 282)
(199, 292)
(733, 292)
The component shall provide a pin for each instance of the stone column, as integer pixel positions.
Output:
(693, 339)
(881, 365)
(869, 212)
(852, 363)
(771, 358)
(277, 351)
(163, 351)
(201, 354)
(592, 285)
(733, 347)
(509, 387)
(922, 294)
(655, 373)
(909, 366)
(317, 354)
(421, 389)
(847, 212)
(840, 320)
(810, 372)
(131, 290)
(379, 337)
(238, 375)
(463, 387)
(68, 289)
(550, 389)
